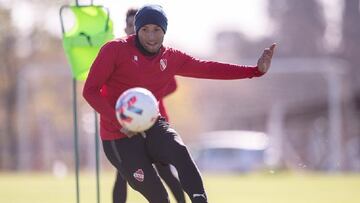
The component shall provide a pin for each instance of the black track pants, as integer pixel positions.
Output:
(133, 158)
(119, 189)
(164, 171)
(171, 181)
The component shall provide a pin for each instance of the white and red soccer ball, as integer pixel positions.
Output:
(137, 109)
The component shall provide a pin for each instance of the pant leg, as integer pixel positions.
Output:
(119, 189)
(165, 145)
(129, 157)
(171, 181)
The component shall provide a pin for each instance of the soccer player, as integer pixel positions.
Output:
(141, 60)
(164, 170)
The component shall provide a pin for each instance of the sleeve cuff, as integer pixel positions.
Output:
(257, 72)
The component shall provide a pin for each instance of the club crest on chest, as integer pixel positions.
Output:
(163, 64)
(135, 59)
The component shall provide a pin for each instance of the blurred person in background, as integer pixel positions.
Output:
(141, 60)
(164, 170)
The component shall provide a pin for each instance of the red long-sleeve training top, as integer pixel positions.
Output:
(120, 65)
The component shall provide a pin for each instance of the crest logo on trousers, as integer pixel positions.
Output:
(139, 175)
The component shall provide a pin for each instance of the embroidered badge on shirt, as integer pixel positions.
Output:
(135, 59)
(163, 64)
(139, 175)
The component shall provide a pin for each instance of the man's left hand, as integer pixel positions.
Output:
(264, 61)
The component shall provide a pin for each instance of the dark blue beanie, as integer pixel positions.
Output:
(151, 14)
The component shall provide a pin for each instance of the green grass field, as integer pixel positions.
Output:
(251, 188)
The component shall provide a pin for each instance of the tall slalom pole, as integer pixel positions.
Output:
(74, 39)
(76, 141)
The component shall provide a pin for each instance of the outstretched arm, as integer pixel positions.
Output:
(192, 67)
(264, 61)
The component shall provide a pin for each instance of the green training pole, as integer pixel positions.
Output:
(97, 157)
(76, 142)
(81, 43)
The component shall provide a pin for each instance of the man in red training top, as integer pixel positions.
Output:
(164, 170)
(141, 60)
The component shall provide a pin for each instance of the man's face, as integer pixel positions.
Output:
(151, 37)
(130, 29)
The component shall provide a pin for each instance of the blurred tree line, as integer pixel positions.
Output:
(299, 29)
(18, 49)
(8, 72)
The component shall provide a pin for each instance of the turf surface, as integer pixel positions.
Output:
(251, 188)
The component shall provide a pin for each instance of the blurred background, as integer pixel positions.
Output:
(307, 106)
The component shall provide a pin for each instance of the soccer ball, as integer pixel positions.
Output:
(137, 109)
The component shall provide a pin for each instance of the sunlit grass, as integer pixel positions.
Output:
(251, 188)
